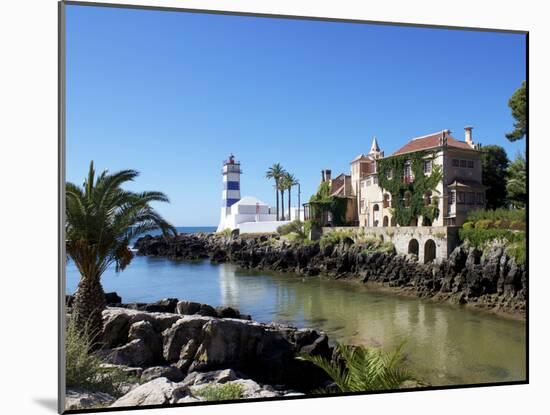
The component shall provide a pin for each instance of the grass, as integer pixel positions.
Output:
(361, 369)
(369, 243)
(83, 369)
(224, 392)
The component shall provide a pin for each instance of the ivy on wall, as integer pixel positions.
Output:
(419, 187)
(322, 202)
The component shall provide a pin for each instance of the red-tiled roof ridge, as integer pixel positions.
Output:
(431, 141)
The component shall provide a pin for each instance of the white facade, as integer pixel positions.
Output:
(250, 215)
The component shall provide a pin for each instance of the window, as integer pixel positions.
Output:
(427, 166)
(470, 164)
(367, 182)
(389, 174)
(463, 163)
(407, 172)
(461, 198)
(362, 204)
(456, 163)
(386, 201)
(452, 197)
(479, 198)
(470, 198)
(375, 179)
(427, 198)
(407, 199)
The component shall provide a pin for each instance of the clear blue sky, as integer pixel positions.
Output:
(172, 94)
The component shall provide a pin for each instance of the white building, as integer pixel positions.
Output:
(249, 214)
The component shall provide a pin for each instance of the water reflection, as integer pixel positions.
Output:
(445, 344)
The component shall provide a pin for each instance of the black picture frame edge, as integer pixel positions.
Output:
(61, 201)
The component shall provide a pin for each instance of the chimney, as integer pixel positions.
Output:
(322, 176)
(468, 135)
(327, 175)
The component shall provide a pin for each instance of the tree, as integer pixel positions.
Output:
(101, 219)
(282, 186)
(275, 172)
(494, 164)
(516, 187)
(518, 105)
(289, 181)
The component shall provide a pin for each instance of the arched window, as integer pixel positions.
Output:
(385, 221)
(386, 201)
(375, 215)
(429, 251)
(413, 247)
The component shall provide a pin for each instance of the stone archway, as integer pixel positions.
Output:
(429, 251)
(413, 247)
(385, 221)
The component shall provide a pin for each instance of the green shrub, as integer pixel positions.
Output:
(484, 224)
(502, 224)
(294, 226)
(517, 250)
(307, 227)
(224, 392)
(83, 369)
(497, 214)
(468, 225)
(336, 237)
(361, 369)
(226, 232)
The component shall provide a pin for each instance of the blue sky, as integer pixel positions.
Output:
(172, 94)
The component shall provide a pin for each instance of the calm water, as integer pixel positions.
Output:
(445, 344)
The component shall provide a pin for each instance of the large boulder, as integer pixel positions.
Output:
(134, 353)
(155, 392)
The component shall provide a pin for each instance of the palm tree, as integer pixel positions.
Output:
(101, 219)
(290, 181)
(276, 172)
(282, 188)
(360, 369)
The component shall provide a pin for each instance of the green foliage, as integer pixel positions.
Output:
(322, 202)
(223, 392)
(307, 227)
(372, 245)
(418, 188)
(276, 172)
(83, 369)
(484, 224)
(101, 219)
(507, 215)
(516, 187)
(507, 225)
(494, 165)
(518, 105)
(337, 237)
(226, 232)
(468, 225)
(517, 250)
(294, 226)
(361, 369)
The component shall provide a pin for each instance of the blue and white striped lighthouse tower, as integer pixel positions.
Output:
(231, 194)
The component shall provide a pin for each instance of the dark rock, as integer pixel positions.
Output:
(169, 372)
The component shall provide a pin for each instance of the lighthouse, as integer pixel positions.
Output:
(231, 193)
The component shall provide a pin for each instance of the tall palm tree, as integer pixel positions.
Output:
(101, 219)
(282, 188)
(290, 181)
(276, 172)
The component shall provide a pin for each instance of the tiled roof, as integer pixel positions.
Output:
(431, 141)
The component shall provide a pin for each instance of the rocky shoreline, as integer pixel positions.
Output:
(173, 353)
(488, 280)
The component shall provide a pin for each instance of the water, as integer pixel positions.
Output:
(445, 344)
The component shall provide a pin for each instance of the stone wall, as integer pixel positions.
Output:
(445, 238)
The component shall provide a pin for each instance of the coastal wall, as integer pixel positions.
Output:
(445, 239)
(487, 279)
